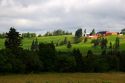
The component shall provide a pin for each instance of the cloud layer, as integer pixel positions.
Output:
(46, 15)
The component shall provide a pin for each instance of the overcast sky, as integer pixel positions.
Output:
(46, 15)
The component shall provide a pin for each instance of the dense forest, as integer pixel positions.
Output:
(43, 57)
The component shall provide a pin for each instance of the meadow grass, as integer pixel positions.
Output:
(65, 78)
(84, 47)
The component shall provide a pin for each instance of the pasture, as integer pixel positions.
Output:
(84, 47)
(65, 78)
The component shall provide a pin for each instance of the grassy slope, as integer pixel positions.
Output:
(27, 42)
(84, 47)
(65, 78)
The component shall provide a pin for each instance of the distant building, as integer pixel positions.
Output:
(93, 36)
(114, 33)
(106, 33)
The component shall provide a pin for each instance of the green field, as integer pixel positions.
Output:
(65, 78)
(84, 47)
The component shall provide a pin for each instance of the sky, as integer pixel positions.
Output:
(40, 16)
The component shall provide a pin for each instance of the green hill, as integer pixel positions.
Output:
(84, 47)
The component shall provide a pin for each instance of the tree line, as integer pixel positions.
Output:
(57, 32)
(43, 57)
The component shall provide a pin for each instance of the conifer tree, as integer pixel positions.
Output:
(13, 39)
(35, 45)
(69, 44)
(117, 43)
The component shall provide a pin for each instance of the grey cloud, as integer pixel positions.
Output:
(45, 15)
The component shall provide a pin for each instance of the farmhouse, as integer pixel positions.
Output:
(106, 33)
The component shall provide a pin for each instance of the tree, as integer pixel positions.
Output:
(110, 46)
(84, 32)
(104, 42)
(123, 31)
(85, 39)
(93, 32)
(35, 45)
(69, 44)
(47, 54)
(2, 35)
(39, 35)
(65, 40)
(78, 33)
(117, 42)
(13, 39)
(79, 60)
(28, 35)
(65, 63)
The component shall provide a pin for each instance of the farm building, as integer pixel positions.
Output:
(107, 33)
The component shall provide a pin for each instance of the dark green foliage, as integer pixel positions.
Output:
(104, 42)
(28, 35)
(78, 36)
(48, 34)
(84, 32)
(13, 39)
(90, 53)
(93, 32)
(69, 44)
(23, 61)
(77, 40)
(2, 35)
(85, 39)
(78, 59)
(47, 55)
(78, 33)
(65, 40)
(96, 42)
(32, 61)
(123, 31)
(117, 43)
(100, 41)
(122, 61)
(94, 63)
(65, 63)
(35, 45)
(44, 58)
(90, 62)
(113, 60)
(110, 46)
(39, 35)
(61, 43)
(57, 32)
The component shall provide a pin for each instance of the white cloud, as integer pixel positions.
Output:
(45, 14)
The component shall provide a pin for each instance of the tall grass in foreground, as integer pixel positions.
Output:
(65, 78)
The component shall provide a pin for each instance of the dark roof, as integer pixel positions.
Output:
(102, 32)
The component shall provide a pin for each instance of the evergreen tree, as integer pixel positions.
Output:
(69, 44)
(104, 42)
(65, 40)
(32, 46)
(13, 39)
(84, 32)
(89, 53)
(123, 31)
(110, 46)
(117, 43)
(47, 54)
(93, 32)
(85, 39)
(78, 59)
(78, 33)
(35, 45)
